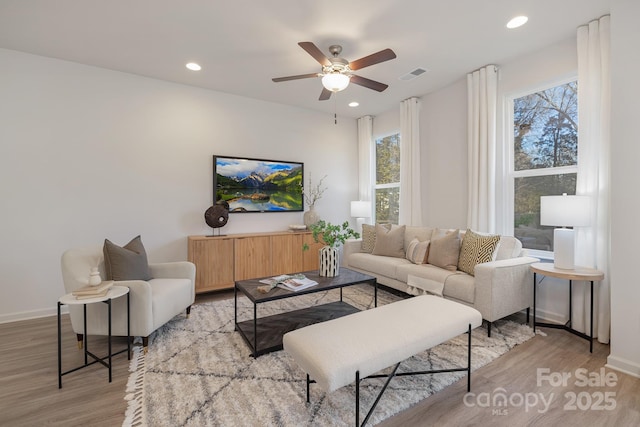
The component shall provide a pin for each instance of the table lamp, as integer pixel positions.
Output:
(564, 211)
(360, 210)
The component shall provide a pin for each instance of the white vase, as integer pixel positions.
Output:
(94, 277)
(310, 217)
(329, 265)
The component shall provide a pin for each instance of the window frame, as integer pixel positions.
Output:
(511, 174)
(374, 160)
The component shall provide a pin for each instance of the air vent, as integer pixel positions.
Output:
(413, 74)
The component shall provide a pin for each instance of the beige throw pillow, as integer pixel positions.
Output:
(476, 249)
(444, 251)
(389, 242)
(417, 251)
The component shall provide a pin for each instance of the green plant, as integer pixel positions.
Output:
(330, 234)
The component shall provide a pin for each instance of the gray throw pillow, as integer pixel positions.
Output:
(389, 242)
(444, 251)
(128, 262)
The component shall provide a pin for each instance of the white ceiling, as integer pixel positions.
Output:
(242, 44)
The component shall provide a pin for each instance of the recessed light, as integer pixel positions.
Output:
(516, 22)
(193, 66)
(354, 104)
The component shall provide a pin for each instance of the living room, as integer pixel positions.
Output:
(98, 153)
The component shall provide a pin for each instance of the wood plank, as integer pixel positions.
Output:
(214, 260)
(282, 254)
(252, 257)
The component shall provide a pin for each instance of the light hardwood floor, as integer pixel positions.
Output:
(29, 394)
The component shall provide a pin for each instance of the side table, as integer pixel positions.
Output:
(70, 299)
(578, 273)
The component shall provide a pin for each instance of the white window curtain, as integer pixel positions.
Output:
(365, 147)
(410, 195)
(482, 93)
(592, 243)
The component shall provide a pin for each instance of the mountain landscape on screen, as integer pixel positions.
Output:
(256, 185)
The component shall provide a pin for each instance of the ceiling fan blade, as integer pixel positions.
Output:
(371, 84)
(325, 94)
(317, 54)
(374, 58)
(300, 76)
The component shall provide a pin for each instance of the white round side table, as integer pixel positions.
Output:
(69, 299)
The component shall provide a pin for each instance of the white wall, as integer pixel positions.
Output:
(443, 132)
(443, 151)
(88, 153)
(625, 204)
(386, 123)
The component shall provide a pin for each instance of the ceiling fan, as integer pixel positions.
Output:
(338, 72)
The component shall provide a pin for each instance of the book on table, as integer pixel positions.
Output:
(88, 296)
(90, 291)
(295, 282)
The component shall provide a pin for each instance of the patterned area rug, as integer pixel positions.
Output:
(199, 372)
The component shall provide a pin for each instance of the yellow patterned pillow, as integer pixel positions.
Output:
(369, 237)
(476, 249)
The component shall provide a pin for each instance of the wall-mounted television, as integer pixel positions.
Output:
(258, 185)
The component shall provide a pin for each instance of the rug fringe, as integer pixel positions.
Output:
(134, 415)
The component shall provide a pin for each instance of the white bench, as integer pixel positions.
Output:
(354, 347)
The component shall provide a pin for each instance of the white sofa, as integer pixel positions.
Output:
(497, 289)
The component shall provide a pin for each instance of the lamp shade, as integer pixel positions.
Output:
(565, 211)
(361, 209)
(335, 82)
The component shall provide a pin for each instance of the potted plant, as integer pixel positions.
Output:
(332, 236)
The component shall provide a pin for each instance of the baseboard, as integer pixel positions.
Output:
(623, 365)
(550, 317)
(33, 314)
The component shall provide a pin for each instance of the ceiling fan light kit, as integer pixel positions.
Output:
(335, 82)
(338, 72)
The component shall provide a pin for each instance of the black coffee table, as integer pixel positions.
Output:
(264, 334)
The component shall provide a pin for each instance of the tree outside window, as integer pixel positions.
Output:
(545, 157)
(387, 186)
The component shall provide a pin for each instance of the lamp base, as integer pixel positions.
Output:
(563, 248)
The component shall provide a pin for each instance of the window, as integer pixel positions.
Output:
(544, 160)
(387, 185)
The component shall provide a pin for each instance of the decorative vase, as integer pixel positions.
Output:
(310, 217)
(94, 277)
(329, 262)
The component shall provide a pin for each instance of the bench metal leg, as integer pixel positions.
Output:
(386, 384)
(357, 398)
(469, 360)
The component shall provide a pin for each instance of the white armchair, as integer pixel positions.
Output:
(152, 303)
